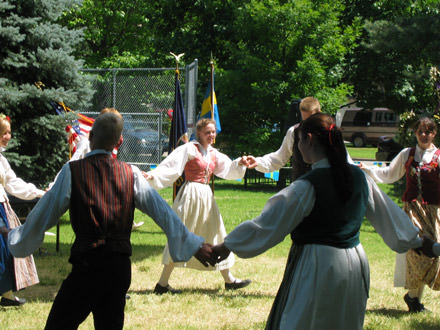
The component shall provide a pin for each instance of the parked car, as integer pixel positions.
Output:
(366, 126)
(142, 144)
(387, 149)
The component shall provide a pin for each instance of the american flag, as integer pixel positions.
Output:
(80, 128)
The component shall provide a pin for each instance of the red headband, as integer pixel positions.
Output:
(329, 129)
(3, 116)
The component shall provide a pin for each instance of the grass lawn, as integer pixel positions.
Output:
(366, 153)
(204, 304)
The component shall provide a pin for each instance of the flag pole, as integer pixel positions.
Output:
(212, 89)
(212, 111)
(178, 74)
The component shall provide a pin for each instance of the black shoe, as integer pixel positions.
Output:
(237, 285)
(159, 289)
(127, 297)
(15, 302)
(414, 305)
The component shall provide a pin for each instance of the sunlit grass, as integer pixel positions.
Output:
(204, 304)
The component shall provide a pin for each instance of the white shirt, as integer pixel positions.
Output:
(25, 239)
(396, 169)
(11, 184)
(277, 159)
(171, 168)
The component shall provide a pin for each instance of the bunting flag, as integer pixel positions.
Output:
(178, 133)
(273, 175)
(209, 105)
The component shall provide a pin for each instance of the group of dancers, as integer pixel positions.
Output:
(326, 280)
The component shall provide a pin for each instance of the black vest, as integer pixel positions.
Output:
(332, 222)
(102, 204)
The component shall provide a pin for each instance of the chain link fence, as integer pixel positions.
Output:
(145, 98)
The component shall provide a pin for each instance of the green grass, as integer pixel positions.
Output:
(367, 153)
(204, 304)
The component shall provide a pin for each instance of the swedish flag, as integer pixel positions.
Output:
(208, 104)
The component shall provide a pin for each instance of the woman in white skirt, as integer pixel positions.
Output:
(422, 204)
(195, 203)
(15, 273)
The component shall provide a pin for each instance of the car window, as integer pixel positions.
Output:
(362, 118)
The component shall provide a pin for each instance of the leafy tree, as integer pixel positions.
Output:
(285, 51)
(400, 44)
(37, 67)
(116, 33)
(266, 52)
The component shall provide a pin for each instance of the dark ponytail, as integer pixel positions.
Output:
(330, 138)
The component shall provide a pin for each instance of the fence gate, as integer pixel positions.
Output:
(144, 97)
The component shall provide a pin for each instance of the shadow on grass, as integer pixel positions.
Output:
(215, 293)
(394, 313)
(250, 187)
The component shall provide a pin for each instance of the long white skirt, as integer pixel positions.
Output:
(196, 206)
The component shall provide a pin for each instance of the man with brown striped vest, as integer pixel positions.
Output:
(101, 194)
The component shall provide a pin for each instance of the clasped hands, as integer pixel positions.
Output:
(426, 248)
(211, 255)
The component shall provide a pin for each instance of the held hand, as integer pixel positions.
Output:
(243, 161)
(251, 162)
(147, 176)
(426, 248)
(204, 255)
(220, 252)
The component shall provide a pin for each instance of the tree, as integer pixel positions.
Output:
(37, 67)
(266, 52)
(400, 44)
(284, 51)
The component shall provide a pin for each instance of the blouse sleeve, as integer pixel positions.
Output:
(390, 221)
(169, 170)
(181, 242)
(282, 213)
(227, 169)
(391, 173)
(16, 186)
(277, 159)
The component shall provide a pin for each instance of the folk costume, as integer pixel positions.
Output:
(15, 273)
(195, 203)
(101, 194)
(326, 280)
(422, 204)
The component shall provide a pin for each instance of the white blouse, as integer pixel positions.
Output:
(396, 169)
(277, 159)
(171, 168)
(11, 184)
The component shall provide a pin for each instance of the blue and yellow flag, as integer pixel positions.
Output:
(207, 106)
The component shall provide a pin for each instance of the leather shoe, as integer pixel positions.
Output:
(159, 289)
(237, 285)
(12, 302)
(414, 305)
